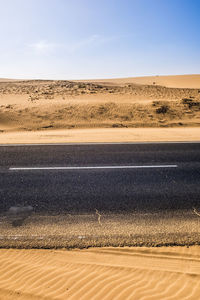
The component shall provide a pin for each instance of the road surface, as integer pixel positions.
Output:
(160, 179)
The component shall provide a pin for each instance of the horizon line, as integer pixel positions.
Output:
(105, 78)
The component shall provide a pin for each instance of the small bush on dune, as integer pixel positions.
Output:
(162, 109)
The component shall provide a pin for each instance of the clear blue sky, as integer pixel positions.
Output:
(74, 39)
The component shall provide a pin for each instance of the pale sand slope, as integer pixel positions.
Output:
(173, 81)
(102, 135)
(27, 108)
(35, 105)
(101, 273)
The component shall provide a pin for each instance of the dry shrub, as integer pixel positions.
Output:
(163, 109)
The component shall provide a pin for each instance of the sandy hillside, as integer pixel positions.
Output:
(101, 273)
(44, 105)
(173, 81)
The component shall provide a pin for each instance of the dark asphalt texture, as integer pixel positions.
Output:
(108, 190)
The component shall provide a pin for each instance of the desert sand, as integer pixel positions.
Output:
(102, 135)
(101, 273)
(173, 81)
(157, 108)
(30, 107)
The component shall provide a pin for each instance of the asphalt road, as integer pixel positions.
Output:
(107, 177)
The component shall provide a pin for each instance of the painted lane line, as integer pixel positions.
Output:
(90, 168)
(99, 143)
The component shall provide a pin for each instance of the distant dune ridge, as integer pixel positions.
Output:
(154, 101)
(174, 81)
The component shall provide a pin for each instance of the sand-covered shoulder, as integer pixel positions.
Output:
(101, 273)
(102, 135)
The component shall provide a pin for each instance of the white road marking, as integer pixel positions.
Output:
(90, 167)
(99, 143)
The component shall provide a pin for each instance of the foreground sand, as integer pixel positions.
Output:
(101, 273)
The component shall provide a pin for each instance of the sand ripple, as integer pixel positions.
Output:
(101, 273)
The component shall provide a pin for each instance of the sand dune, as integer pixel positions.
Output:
(37, 105)
(173, 81)
(8, 79)
(101, 273)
